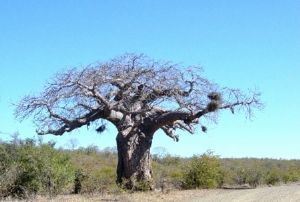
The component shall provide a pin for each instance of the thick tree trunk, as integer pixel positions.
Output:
(134, 160)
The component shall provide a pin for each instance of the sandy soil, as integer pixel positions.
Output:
(282, 193)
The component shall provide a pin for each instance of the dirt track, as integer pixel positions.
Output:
(282, 193)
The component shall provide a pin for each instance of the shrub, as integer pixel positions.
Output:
(4, 159)
(248, 175)
(273, 176)
(291, 175)
(100, 180)
(57, 170)
(203, 172)
(79, 177)
(253, 177)
(29, 169)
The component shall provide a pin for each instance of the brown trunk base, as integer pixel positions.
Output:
(134, 170)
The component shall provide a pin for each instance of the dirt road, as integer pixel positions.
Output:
(280, 193)
(283, 193)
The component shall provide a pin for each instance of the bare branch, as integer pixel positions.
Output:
(171, 133)
(131, 89)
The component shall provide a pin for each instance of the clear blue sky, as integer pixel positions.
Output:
(244, 44)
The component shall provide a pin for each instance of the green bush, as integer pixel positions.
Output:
(247, 175)
(273, 176)
(57, 170)
(169, 171)
(253, 177)
(291, 175)
(4, 159)
(100, 180)
(203, 172)
(27, 169)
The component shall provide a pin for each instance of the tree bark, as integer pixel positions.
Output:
(134, 170)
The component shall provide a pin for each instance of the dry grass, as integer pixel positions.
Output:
(277, 193)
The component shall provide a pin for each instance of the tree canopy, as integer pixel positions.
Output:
(169, 95)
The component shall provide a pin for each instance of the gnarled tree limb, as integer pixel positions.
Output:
(131, 89)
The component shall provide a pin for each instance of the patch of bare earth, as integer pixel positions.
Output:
(276, 193)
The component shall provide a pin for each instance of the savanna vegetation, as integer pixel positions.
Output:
(31, 167)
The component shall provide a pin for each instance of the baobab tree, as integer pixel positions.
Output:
(138, 96)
